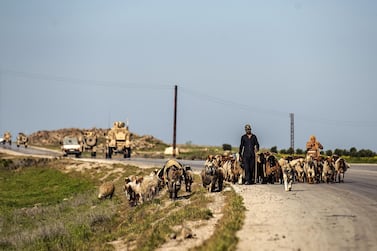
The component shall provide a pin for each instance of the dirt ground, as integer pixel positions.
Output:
(310, 217)
(201, 230)
(307, 218)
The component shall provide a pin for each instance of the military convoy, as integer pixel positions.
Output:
(7, 138)
(79, 143)
(118, 140)
(71, 145)
(22, 139)
(89, 143)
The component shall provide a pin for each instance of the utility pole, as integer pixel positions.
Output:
(175, 120)
(292, 131)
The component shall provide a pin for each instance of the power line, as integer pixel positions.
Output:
(226, 102)
(332, 122)
(71, 80)
(311, 119)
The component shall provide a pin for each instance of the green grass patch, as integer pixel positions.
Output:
(194, 152)
(45, 209)
(368, 160)
(37, 185)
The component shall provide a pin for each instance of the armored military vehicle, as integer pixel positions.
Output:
(22, 139)
(7, 138)
(118, 140)
(89, 143)
(71, 145)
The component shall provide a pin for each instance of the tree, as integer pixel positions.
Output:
(299, 151)
(227, 147)
(274, 149)
(291, 150)
(365, 153)
(353, 152)
(338, 152)
(329, 153)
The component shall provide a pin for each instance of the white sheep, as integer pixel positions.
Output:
(298, 166)
(341, 167)
(310, 168)
(287, 170)
(141, 189)
(328, 170)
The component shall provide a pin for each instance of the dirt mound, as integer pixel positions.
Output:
(53, 137)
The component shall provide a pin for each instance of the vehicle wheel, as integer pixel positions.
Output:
(127, 153)
(109, 153)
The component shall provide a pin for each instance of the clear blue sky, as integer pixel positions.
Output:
(86, 64)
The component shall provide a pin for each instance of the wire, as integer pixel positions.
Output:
(232, 103)
(202, 96)
(314, 120)
(332, 122)
(70, 80)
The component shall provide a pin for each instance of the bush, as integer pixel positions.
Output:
(274, 149)
(291, 151)
(299, 151)
(227, 147)
(329, 153)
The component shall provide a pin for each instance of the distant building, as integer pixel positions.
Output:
(169, 151)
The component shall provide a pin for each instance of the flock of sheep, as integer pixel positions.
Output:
(269, 169)
(313, 170)
(139, 189)
(220, 168)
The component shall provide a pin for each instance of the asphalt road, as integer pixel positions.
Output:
(145, 162)
(360, 180)
(337, 216)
